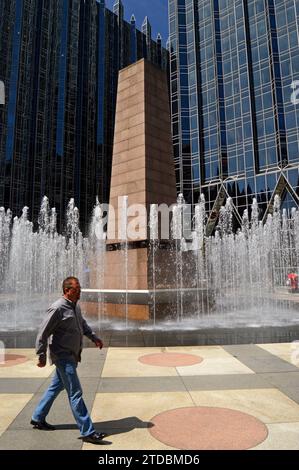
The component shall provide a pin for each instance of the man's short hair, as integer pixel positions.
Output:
(67, 283)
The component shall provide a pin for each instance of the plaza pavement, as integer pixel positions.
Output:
(242, 396)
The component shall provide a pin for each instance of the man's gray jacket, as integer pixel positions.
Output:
(65, 323)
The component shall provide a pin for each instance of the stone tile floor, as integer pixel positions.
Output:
(162, 397)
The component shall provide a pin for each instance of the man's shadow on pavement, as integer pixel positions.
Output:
(121, 426)
(117, 426)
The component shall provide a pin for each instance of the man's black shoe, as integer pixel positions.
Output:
(42, 425)
(94, 438)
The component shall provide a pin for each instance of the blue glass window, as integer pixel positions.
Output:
(184, 101)
(185, 123)
(293, 151)
(183, 58)
(271, 181)
(195, 171)
(267, 100)
(247, 130)
(192, 78)
(272, 155)
(215, 169)
(194, 123)
(193, 100)
(184, 79)
(194, 146)
(62, 80)
(213, 142)
(12, 96)
(101, 74)
(171, 7)
(269, 126)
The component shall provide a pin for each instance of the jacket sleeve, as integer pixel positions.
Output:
(47, 329)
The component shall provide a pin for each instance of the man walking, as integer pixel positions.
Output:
(67, 327)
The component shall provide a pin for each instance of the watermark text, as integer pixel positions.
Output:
(131, 221)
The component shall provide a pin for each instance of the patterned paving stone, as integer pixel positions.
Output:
(208, 428)
(170, 359)
(12, 360)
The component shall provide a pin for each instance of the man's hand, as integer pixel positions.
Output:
(98, 343)
(42, 361)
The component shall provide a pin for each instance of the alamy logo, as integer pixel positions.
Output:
(2, 93)
(295, 94)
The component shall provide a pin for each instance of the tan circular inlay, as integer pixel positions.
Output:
(12, 360)
(170, 359)
(208, 428)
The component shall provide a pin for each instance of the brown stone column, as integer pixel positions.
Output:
(142, 169)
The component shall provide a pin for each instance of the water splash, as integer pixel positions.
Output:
(35, 263)
(244, 273)
(154, 242)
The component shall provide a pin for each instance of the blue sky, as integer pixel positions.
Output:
(156, 10)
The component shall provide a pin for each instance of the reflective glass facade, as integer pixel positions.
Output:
(235, 128)
(59, 61)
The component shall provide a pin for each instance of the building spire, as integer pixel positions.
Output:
(159, 48)
(147, 29)
(133, 19)
(118, 9)
(168, 44)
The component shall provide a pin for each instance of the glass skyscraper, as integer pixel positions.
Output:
(59, 62)
(235, 125)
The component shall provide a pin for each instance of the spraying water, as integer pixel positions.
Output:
(35, 263)
(95, 251)
(239, 279)
(154, 237)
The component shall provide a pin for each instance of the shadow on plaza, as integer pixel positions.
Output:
(117, 426)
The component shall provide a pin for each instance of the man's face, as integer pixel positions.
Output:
(74, 291)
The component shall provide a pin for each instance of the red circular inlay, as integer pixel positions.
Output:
(208, 428)
(170, 359)
(11, 360)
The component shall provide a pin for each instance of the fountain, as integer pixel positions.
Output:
(244, 272)
(188, 281)
(33, 264)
